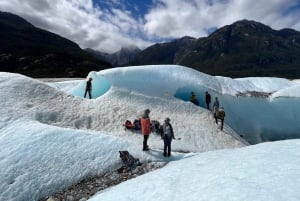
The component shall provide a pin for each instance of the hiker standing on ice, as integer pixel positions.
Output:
(167, 136)
(146, 129)
(207, 99)
(88, 88)
(193, 99)
(221, 116)
(216, 108)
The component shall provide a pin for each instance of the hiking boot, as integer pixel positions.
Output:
(146, 149)
(165, 155)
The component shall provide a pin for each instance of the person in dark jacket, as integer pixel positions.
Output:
(88, 88)
(207, 99)
(221, 116)
(146, 128)
(167, 135)
(216, 108)
(193, 99)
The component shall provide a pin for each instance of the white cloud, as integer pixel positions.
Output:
(108, 28)
(176, 18)
(81, 21)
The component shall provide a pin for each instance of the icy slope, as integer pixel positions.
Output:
(258, 118)
(37, 101)
(39, 157)
(268, 171)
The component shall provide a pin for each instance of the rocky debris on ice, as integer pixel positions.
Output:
(83, 190)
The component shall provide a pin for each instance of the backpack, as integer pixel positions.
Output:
(128, 125)
(129, 161)
(155, 126)
(221, 114)
(137, 124)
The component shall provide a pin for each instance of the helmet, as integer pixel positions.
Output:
(167, 119)
(147, 111)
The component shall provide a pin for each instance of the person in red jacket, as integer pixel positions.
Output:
(146, 128)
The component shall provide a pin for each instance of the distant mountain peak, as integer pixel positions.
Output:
(187, 38)
(129, 48)
(243, 27)
(119, 58)
(251, 25)
(242, 49)
(32, 51)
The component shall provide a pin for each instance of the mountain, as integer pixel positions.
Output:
(35, 52)
(243, 49)
(165, 53)
(119, 58)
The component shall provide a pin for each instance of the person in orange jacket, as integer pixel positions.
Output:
(146, 128)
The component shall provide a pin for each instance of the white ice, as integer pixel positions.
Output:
(50, 138)
(257, 119)
(268, 171)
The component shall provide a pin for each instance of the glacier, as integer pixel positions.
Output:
(256, 118)
(51, 137)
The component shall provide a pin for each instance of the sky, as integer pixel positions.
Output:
(51, 137)
(108, 25)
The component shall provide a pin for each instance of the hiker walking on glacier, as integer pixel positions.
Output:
(216, 108)
(221, 116)
(88, 88)
(167, 136)
(193, 99)
(207, 99)
(146, 128)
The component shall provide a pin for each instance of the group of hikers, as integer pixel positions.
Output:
(166, 132)
(147, 126)
(218, 111)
